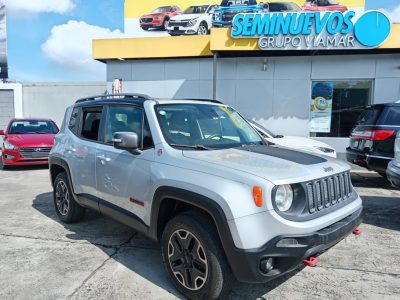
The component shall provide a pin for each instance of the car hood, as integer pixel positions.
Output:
(275, 164)
(186, 17)
(31, 140)
(154, 15)
(299, 143)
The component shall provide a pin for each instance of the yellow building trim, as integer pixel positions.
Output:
(137, 8)
(162, 47)
(190, 46)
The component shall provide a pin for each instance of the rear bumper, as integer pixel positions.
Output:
(14, 158)
(247, 262)
(393, 174)
(371, 161)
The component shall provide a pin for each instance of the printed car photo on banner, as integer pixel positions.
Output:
(321, 107)
(155, 18)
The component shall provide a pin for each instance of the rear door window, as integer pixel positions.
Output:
(369, 116)
(91, 118)
(390, 116)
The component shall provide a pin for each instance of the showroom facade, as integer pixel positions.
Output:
(273, 88)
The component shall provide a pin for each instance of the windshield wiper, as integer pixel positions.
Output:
(196, 147)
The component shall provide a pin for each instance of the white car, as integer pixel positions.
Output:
(196, 19)
(295, 142)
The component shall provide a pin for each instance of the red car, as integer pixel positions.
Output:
(324, 5)
(28, 141)
(159, 17)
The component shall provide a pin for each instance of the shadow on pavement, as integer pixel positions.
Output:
(134, 250)
(382, 211)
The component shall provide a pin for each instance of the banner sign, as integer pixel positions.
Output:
(313, 30)
(3, 41)
(321, 107)
(157, 18)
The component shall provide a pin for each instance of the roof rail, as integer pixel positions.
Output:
(115, 96)
(202, 99)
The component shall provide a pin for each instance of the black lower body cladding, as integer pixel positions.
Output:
(247, 262)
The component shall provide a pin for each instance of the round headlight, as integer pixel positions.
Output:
(284, 197)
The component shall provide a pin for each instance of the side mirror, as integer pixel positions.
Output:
(2, 132)
(126, 141)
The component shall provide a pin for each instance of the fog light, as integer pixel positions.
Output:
(267, 264)
(287, 243)
(10, 157)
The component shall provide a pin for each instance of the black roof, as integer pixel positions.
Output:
(136, 99)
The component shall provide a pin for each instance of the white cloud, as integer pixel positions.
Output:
(70, 46)
(393, 14)
(24, 8)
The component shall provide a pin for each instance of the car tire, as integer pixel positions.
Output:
(145, 28)
(66, 207)
(164, 24)
(182, 235)
(203, 29)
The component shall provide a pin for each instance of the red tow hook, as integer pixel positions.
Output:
(311, 261)
(357, 231)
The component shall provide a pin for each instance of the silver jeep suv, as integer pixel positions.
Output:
(194, 175)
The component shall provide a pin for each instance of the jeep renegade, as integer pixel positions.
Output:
(196, 176)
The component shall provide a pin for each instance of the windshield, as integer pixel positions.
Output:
(288, 6)
(238, 2)
(196, 9)
(163, 9)
(208, 126)
(32, 127)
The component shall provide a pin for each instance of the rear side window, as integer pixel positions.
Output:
(91, 123)
(390, 116)
(369, 116)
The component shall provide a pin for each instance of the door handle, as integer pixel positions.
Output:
(103, 159)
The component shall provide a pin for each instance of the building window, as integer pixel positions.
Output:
(336, 106)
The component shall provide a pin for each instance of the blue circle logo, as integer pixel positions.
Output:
(372, 29)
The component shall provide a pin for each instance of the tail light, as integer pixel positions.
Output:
(373, 135)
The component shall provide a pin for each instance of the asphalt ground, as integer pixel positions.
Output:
(98, 258)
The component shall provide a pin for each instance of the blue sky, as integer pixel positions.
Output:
(49, 40)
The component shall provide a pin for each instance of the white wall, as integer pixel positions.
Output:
(49, 100)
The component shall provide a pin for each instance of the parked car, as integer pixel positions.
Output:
(324, 5)
(393, 170)
(280, 7)
(372, 139)
(197, 177)
(295, 142)
(28, 141)
(223, 16)
(196, 19)
(159, 17)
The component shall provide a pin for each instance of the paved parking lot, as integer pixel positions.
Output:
(41, 258)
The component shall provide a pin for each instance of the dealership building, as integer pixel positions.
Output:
(275, 88)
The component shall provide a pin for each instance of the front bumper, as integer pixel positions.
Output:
(14, 158)
(182, 30)
(371, 161)
(154, 24)
(245, 264)
(222, 23)
(393, 173)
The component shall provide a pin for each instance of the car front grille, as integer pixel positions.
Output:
(178, 23)
(35, 152)
(326, 192)
(146, 20)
